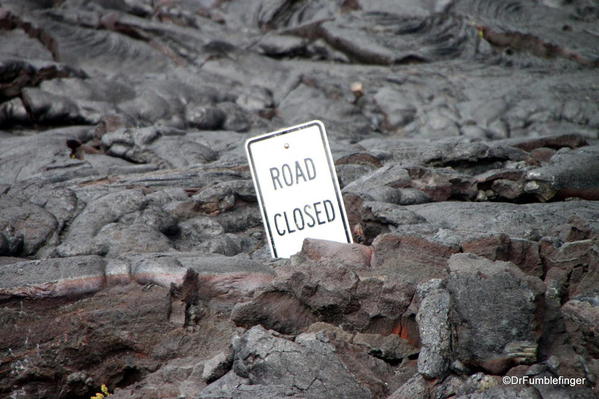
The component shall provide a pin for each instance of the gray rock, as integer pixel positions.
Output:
(115, 239)
(504, 392)
(390, 348)
(435, 333)
(512, 219)
(24, 227)
(495, 306)
(565, 391)
(412, 196)
(392, 175)
(61, 203)
(156, 269)
(389, 214)
(53, 277)
(117, 271)
(236, 118)
(221, 196)
(203, 117)
(569, 174)
(48, 108)
(195, 230)
(226, 244)
(100, 212)
(217, 366)
(233, 386)
(476, 382)
(41, 156)
(154, 217)
(415, 388)
(161, 146)
(398, 109)
(349, 173)
(306, 368)
(567, 258)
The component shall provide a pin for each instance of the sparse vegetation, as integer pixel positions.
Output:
(102, 394)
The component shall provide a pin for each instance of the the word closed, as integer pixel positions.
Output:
(308, 216)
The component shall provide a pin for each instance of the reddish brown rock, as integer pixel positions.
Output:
(494, 246)
(542, 154)
(329, 251)
(274, 310)
(521, 252)
(436, 185)
(508, 189)
(353, 207)
(579, 258)
(576, 229)
(232, 287)
(116, 337)
(525, 254)
(503, 174)
(555, 142)
(223, 280)
(582, 322)
(410, 258)
(333, 293)
(360, 158)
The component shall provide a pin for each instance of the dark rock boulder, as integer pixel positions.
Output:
(350, 295)
(568, 174)
(24, 227)
(268, 365)
(581, 318)
(497, 312)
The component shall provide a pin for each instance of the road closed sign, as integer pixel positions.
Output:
(296, 185)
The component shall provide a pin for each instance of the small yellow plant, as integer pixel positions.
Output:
(102, 394)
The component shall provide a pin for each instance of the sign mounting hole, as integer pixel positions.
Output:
(286, 145)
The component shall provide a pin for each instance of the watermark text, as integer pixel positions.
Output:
(545, 380)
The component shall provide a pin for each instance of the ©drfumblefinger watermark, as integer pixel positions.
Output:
(571, 381)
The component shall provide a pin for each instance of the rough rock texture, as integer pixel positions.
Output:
(53, 277)
(496, 312)
(327, 291)
(271, 366)
(435, 334)
(132, 252)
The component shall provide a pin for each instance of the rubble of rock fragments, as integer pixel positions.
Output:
(465, 135)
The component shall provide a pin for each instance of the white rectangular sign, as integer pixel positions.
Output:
(296, 185)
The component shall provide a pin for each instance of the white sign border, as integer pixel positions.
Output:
(332, 170)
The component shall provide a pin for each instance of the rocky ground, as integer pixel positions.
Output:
(132, 253)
